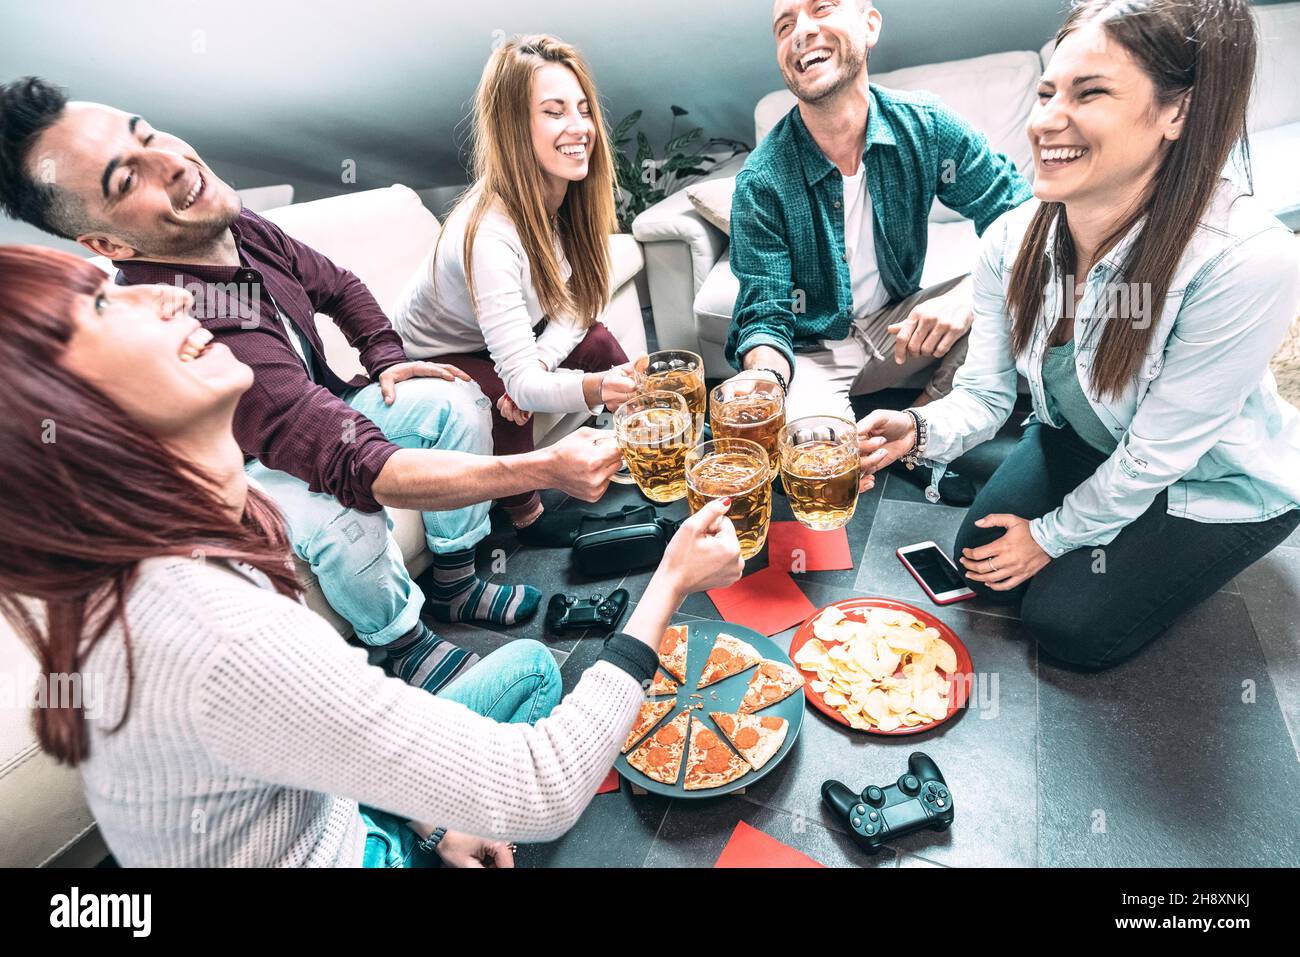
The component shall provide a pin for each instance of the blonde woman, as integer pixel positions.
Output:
(511, 291)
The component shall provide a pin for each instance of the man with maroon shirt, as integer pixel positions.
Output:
(331, 453)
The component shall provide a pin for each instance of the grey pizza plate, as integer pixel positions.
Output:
(729, 693)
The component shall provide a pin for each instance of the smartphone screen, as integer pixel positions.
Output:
(936, 570)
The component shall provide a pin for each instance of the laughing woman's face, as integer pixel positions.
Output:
(140, 346)
(1098, 132)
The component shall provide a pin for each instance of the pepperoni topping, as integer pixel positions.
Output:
(746, 738)
(772, 724)
(771, 693)
(706, 740)
(658, 757)
(717, 761)
(720, 656)
(726, 722)
(771, 669)
(668, 735)
(672, 638)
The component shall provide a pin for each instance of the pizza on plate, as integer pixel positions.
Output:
(773, 681)
(711, 763)
(660, 756)
(662, 685)
(672, 651)
(757, 739)
(651, 713)
(730, 656)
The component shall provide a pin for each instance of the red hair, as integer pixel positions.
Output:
(86, 494)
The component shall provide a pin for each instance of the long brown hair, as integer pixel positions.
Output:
(506, 171)
(86, 494)
(1202, 47)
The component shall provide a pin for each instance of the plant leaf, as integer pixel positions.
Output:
(678, 111)
(625, 125)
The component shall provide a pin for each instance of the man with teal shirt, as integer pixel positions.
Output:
(829, 224)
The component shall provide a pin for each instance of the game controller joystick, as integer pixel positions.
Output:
(568, 613)
(918, 799)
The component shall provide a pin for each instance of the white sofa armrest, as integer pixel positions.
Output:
(680, 250)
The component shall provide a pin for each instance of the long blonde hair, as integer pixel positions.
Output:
(506, 171)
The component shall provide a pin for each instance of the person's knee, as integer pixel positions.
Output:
(1077, 633)
(347, 542)
(528, 658)
(453, 414)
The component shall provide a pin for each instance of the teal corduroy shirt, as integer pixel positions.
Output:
(787, 216)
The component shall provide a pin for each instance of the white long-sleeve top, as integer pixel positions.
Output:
(435, 316)
(255, 730)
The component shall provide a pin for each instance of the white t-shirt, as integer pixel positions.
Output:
(869, 293)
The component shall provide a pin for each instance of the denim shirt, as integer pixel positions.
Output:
(787, 221)
(1203, 419)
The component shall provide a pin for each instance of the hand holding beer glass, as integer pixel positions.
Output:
(820, 470)
(736, 469)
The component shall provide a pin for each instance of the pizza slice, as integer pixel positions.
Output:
(662, 685)
(672, 651)
(730, 656)
(660, 756)
(773, 681)
(711, 763)
(651, 713)
(757, 739)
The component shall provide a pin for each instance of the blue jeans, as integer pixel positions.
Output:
(353, 554)
(516, 684)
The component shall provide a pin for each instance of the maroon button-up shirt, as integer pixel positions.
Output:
(292, 421)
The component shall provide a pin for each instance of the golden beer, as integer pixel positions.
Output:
(751, 409)
(735, 468)
(820, 468)
(654, 433)
(679, 371)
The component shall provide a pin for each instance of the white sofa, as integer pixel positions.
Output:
(692, 288)
(382, 235)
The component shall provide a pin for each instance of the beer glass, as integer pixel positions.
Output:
(751, 409)
(675, 370)
(819, 470)
(654, 433)
(738, 469)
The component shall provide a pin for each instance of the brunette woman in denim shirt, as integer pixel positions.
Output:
(1142, 296)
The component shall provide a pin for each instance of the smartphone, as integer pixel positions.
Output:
(936, 573)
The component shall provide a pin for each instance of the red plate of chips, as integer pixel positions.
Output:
(959, 682)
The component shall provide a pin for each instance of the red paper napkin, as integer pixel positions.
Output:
(750, 847)
(610, 783)
(814, 551)
(768, 601)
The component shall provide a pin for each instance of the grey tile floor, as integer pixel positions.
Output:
(1159, 762)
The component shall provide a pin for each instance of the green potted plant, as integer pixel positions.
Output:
(644, 178)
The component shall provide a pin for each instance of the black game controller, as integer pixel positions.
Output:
(919, 799)
(567, 613)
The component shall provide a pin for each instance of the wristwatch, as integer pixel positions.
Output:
(430, 843)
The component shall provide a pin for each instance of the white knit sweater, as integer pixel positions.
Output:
(255, 730)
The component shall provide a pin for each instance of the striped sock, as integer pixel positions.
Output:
(422, 659)
(458, 594)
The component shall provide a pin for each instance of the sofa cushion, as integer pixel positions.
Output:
(1274, 157)
(1277, 69)
(716, 301)
(382, 235)
(712, 200)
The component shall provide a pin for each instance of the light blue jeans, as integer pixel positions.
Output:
(353, 554)
(518, 683)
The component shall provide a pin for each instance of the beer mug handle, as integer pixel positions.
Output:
(623, 476)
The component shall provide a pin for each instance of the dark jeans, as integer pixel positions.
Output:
(599, 351)
(1156, 568)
